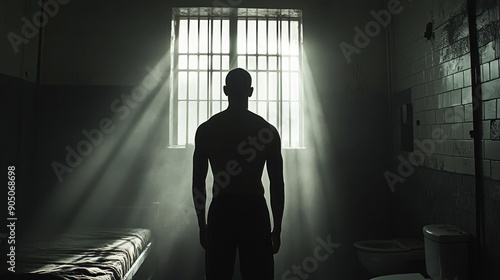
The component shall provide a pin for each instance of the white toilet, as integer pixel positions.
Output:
(446, 255)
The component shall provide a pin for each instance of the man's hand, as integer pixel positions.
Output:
(203, 236)
(276, 239)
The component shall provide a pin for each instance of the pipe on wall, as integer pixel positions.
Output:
(38, 77)
(388, 54)
(477, 134)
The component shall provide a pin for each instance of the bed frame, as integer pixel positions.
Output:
(150, 255)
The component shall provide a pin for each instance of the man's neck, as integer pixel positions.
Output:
(237, 107)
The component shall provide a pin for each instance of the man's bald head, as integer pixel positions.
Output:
(238, 80)
(238, 88)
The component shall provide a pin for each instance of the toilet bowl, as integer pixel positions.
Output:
(446, 255)
(391, 256)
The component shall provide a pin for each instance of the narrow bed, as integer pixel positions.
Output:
(92, 254)
(102, 253)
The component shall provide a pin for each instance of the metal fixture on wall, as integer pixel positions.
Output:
(477, 116)
(429, 34)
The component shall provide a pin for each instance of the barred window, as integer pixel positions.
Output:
(208, 42)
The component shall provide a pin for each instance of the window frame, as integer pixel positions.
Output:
(234, 15)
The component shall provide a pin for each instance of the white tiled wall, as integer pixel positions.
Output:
(438, 72)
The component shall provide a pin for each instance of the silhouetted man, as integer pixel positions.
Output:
(238, 143)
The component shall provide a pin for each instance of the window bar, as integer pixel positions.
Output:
(198, 73)
(187, 86)
(267, 66)
(220, 60)
(233, 40)
(278, 76)
(289, 84)
(301, 92)
(210, 58)
(279, 62)
(246, 39)
(173, 105)
(257, 82)
(209, 74)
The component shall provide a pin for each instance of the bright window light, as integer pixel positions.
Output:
(208, 42)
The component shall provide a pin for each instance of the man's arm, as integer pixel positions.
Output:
(277, 188)
(200, 168)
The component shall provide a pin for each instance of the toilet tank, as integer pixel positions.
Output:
(446, 252)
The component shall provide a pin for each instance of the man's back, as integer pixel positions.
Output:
(237, 144)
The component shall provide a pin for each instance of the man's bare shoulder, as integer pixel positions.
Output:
(263, 122)
(260, 120)
(208, 123)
